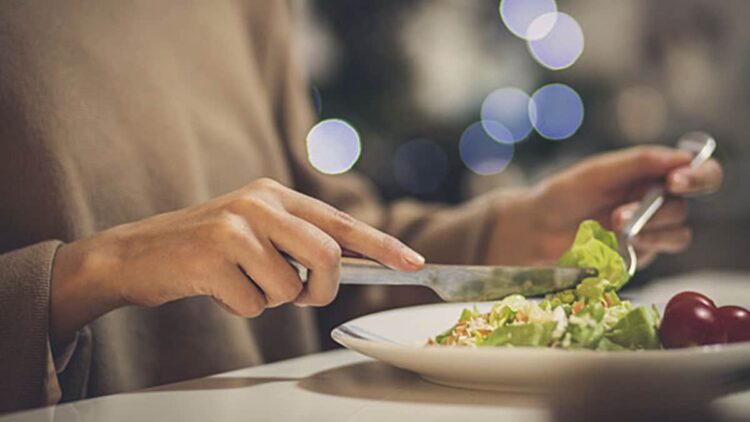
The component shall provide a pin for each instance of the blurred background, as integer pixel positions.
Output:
(430, 86)
(446, 99)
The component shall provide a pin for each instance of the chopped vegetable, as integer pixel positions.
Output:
(637, 330)
(595, 246)
(591, 316)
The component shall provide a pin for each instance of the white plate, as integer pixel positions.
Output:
(398, 337)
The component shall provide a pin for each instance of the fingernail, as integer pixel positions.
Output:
(627, 214)
(680, 181)
(412, 257)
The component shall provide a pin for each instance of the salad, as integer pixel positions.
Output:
(590, 316)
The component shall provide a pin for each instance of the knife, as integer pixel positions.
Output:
(463, 283)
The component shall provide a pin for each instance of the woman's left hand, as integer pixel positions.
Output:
(539, 224)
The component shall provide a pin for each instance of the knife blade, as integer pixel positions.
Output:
(463, 283)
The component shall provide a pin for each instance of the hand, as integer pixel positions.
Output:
(227, 248)
(538, 225)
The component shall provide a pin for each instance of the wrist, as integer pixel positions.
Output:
(81, 287)
(520, 234)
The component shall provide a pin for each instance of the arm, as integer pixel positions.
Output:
(227, 248)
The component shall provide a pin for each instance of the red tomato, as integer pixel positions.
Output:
(689, 296)
(736, 321)
(691, 323)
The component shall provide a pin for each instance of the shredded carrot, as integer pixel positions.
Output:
(520, 316)
(577, 307)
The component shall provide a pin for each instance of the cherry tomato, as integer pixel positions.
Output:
(691, 323)
(736, 321)
(689, 296)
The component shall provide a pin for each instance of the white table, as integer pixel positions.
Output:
(342, 385)
(332, 386)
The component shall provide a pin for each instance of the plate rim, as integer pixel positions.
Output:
(341, 337)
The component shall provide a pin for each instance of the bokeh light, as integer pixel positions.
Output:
(333, 146)
(505, 115)
(561, 46)
(481, 153)
(420, 166)
(556, 111)
(518, 16)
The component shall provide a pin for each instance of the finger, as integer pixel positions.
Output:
(646, 258)
(665, 240)
(316, 251)
(607, 180)
(278, 280)
(632, 165)
(705, 178)
(672, 213)
(353, 234)
(235, 293)
(262, 263)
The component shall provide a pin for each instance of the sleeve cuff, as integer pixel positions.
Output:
(56, 364)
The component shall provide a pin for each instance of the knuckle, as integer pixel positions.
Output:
(292, 290)
(287, 291)
(252, 310)
(252, 204)
(323, 298)
(225, 225)
(329, 253)
(265, 183)
(247, 310)
(229, 228)
(345, 223)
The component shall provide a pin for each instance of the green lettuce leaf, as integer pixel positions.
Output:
(532, 334)
(592, 289)
(637, 330)
(501, 316)
(596, 247)
(585, 336)
(440, 338)
(468, 314)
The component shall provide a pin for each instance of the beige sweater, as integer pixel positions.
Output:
(112, 111)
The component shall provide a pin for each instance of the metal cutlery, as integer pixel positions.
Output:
(463, 283)
(699, 143)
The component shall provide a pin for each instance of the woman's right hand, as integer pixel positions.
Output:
(228, 248)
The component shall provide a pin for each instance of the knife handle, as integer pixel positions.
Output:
(367, 271)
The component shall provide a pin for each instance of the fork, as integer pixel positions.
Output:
(699, 143)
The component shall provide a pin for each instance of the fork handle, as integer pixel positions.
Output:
(699, 143)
